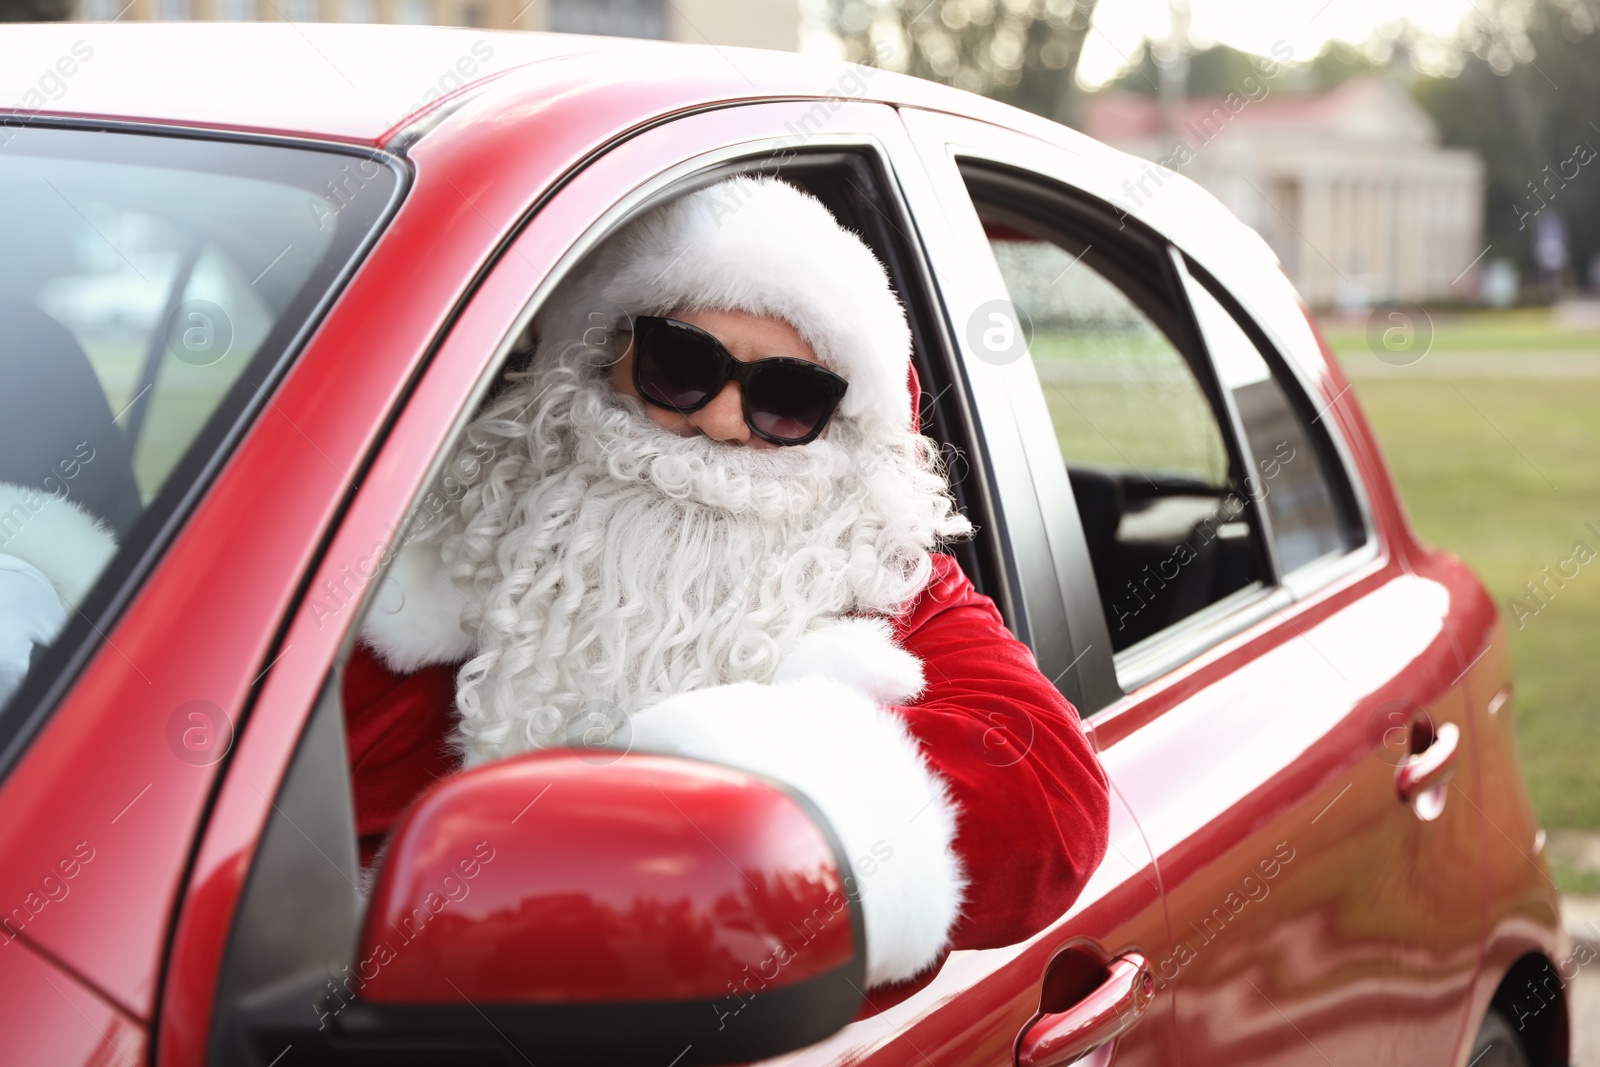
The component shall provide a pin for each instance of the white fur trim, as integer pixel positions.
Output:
(64, 541)
(415, 620)
(860, 653)
(860, 765)
(30, 614)
(758, 245)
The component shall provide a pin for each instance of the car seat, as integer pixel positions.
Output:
(51, 406)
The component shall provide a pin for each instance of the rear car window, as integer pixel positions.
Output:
(1165, 516)
(150, 290)
(1308, 522)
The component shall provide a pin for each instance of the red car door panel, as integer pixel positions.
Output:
(48, 1016)
(976, 1007)
(1305, 895)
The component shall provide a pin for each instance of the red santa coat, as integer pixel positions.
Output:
(1022, 812)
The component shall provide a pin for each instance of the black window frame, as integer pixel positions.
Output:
(998, 190)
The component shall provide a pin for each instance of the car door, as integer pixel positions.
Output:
(1278, 693)
(278, 892)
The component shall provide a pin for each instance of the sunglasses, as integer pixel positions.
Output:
(681, 367)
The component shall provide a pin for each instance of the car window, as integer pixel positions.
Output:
(1167, 522)
(148, 289)
(1104, 366)
(1291, 477)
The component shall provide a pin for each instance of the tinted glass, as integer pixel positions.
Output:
(1289, 475)
(788, 401)
(1168, 533)
(677, 367)
(148, 289)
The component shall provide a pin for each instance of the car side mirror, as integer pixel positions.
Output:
(564, 908)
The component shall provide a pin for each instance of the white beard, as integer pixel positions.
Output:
(608, 563)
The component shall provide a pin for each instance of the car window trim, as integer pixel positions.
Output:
(1348, 489)
(1164, 652)
(1170, 650)
(1234, 427)
(1063, 634)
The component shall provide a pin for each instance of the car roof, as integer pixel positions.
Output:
(362, 83)
(367, 84)
(338, 81)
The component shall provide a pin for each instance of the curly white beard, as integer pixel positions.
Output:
(608, 563)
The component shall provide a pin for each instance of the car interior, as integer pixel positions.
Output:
(1157, 483)
(153, 287)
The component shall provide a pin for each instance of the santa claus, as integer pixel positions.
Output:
(701, 521)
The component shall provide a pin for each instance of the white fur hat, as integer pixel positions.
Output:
(762, 246)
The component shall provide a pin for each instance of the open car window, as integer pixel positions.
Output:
(1204, 486)
(150, 289)
(1164, 502)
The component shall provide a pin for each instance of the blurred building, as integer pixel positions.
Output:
(1351, 186)
(755, 23)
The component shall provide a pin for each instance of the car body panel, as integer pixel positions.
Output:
(349, 83)
(49, 1016)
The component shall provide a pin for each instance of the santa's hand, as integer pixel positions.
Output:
(859, 764)
(860, 653)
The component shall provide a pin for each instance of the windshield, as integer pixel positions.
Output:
(150, 289)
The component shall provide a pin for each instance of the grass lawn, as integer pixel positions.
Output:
(1519, 330)
(1505, 472)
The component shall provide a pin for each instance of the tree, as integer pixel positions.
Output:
(34, 10)
(1024, 52)
(1527, 97)
(1220, 69)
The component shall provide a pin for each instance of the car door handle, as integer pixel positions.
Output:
(1110, 1009)
(1433, 766)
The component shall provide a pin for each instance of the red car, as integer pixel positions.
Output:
(254, 280)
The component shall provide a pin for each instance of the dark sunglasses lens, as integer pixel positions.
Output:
(789, 402)
(677, 368)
